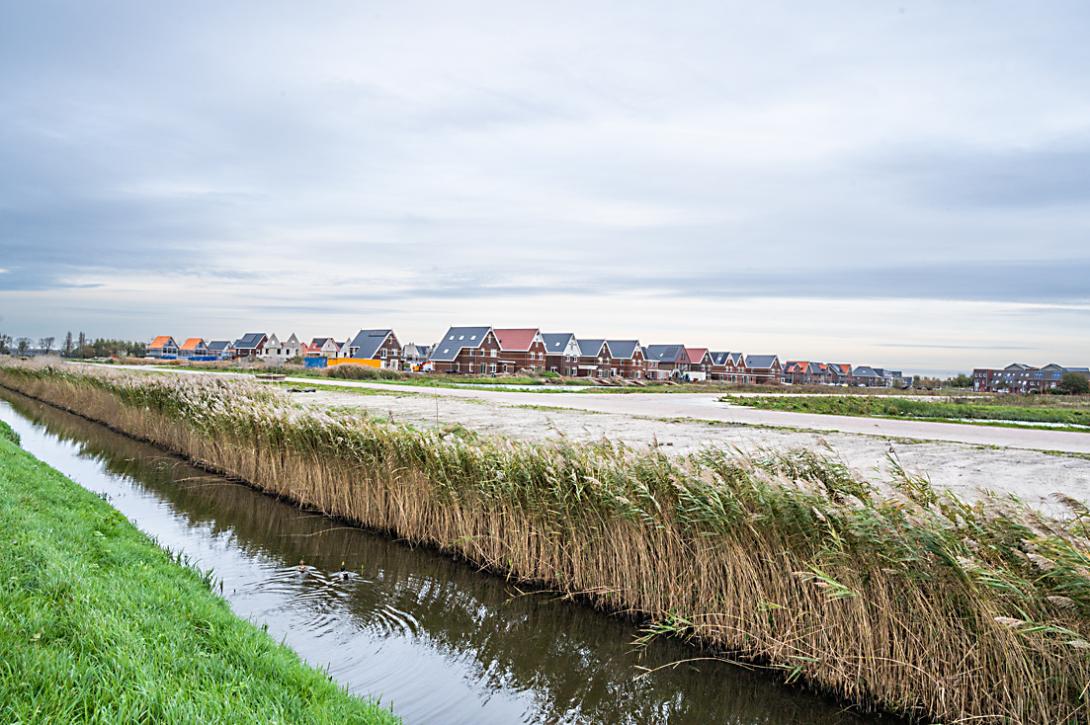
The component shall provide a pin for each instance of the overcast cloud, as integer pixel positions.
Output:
(901, 185)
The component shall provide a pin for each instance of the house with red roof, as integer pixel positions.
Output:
(700, 363)
(163, 347)
(521, 349)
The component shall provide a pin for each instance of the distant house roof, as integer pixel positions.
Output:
(590, 348)
(161, 341)
(192, 343)
(556, 342)
(726, 358)
(1084, 371)
(623, 349)
(458, 339)
(516, 339)
(696, 354)
(368, 342)
(250, 341)
(319, 342)
(865, 371)
(219, 345)
(761, 362)
(665, 353)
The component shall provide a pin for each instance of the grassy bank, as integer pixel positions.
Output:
(908, 600)
(982, 410)
(97, 624)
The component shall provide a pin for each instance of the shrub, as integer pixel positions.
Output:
(1073, 384)
(360, 372)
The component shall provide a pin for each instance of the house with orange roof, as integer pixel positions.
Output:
(521, 348)
(163, 347)
(193, 347)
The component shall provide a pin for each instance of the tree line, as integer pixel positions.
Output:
(74, 346)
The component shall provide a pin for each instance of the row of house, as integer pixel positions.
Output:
(487, 350)
(483, 349)
(1022, 378)
(806, 372)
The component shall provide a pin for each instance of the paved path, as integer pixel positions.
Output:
(706, 406)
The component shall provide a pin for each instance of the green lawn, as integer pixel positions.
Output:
(986, 411)
(99, 625)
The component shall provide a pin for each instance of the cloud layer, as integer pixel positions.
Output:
(729, 174)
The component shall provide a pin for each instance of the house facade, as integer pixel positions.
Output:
(595, 359)
(628, 359)
(222, 349)
(277, 351)
(1022, 378)
(466, 350)
(381, 345)
(561, 353)
(413, 356)
(520, 349)
(250, 345)
(700, 363)
(728, 367)
(764, 369)
(666, 361)
(326, 347)
(193, 347)
(162, 347)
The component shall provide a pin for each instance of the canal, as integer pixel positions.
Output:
(435, 639)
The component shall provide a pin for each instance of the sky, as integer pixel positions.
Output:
(898, 184)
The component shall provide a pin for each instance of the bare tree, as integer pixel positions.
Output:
(46, 344)
(22, 345)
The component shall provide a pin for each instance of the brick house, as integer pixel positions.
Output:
(561, 353)
(627, 358)
(700, 363)
(381, 345)
(469, 350)
(520, 349)
(595, 359)
(250, 345)
(666, 361)
(728, 366)
(764, 369)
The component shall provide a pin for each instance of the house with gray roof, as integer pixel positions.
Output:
(250, 345)
(223, 349)
(628, 358)
(379, 344)
(728, 367)
(764, 369)
(595, 359)
(561, 353)
(466, 350)
(666, 361)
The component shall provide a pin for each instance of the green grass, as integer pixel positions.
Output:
(99, 625)
(981, 411)
(8, 433)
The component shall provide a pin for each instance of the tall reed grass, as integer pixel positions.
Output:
(905, 599)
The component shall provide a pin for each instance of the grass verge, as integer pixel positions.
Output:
(903, 598)
(97, 624)
(955, 411)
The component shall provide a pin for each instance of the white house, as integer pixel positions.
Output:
(278, 351)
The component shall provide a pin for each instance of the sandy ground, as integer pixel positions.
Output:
(965, 458)
(964, 468)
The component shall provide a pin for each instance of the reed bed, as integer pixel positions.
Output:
(904, 599)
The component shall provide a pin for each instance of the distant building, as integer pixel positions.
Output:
(764, 369)
(561, 353)
(223, 349)
(666, 361)
(729, 367)
(193, 347)
(520, 349)
(595, 359)
(628, 359)
(250, 345)
(1022, 378)
(277, 351)
(163, 347)
(381, 345)
(469, 350)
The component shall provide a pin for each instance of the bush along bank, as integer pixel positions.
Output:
(97, 624)
(911, 600)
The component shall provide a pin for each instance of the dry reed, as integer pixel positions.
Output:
(908, 600)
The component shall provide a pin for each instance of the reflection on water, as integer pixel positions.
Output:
(437, 640)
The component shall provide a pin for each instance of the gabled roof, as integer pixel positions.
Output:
(726, 358)
(161, 341)
(219, 345)
(624, 349)
(761, 362)
(1084, 371)
(193, 343)
(591, 348)
(516, 339)
(368, 342)
(696, 354)
(458, 339)
(865, 371)
(665, 353)
(319, 342)
(557, 342)
(250, 340)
